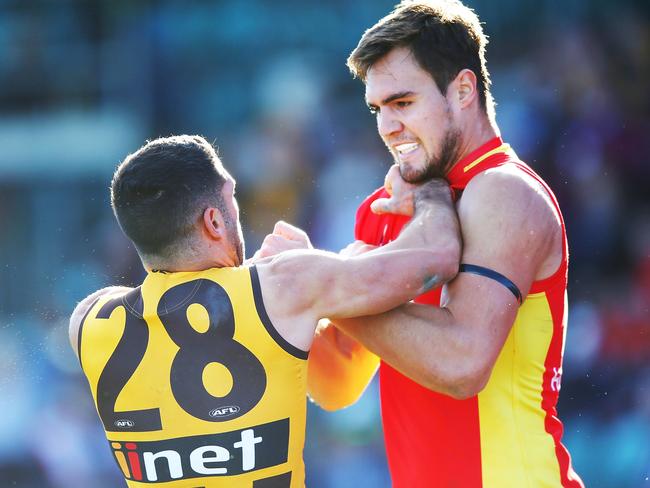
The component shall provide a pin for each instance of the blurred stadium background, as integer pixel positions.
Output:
(83, 83)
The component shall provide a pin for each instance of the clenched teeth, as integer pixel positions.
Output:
(409, 147)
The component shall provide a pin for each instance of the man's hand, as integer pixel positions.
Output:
(284, 237)
(404, 195)
(401, 201)
(355, 249)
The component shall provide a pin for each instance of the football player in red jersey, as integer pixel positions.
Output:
(470, 374)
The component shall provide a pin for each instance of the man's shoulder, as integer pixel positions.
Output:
(510, 203)
(515, 181)
(84, 306)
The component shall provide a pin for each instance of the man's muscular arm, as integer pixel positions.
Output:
(508, 225)
(340, 368)
(308, 285)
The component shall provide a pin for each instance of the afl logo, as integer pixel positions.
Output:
(124, 423)
(224, 411)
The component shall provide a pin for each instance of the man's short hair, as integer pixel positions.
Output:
(444, 36)
(159, 192)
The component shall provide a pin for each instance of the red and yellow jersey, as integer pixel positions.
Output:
(194, 385)
(508, 435)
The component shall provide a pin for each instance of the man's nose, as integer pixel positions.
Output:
(388, 125)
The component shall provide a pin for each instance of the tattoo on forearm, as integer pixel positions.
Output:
(430, 283)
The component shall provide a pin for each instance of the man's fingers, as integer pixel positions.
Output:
(275, 240)
(291, 232)
(388, 186)
(381, 206)
(356, 248)
(285, 229)
(393, 172)
(274, 244)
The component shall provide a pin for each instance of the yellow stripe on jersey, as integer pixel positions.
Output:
(516, 450)
(503, 148)
(194, 385)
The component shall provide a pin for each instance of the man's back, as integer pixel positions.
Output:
(192, 381)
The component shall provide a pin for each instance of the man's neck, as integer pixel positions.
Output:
(195, 264)
(474, 136)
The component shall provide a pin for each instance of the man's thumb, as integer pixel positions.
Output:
(380, 206)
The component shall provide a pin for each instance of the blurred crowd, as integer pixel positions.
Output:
(83, 83)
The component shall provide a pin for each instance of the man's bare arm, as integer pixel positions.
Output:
(82, 309)
(509, 226)
(339, 369)
(313, 284)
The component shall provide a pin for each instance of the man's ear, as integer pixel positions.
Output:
(213, 223)
(465, 84)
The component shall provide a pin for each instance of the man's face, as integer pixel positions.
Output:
(231, 219)
(413, 118)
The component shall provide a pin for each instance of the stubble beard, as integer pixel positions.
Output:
(436, 166)
(235, 237)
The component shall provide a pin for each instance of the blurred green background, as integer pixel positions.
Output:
(83, 83)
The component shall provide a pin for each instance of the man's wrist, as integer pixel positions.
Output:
(433, 191)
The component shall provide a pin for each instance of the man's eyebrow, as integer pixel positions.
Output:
(394, 96)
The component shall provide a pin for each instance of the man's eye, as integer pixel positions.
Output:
(403, 104)
(374, 110)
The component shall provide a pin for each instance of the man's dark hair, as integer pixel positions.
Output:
(444, 36)
(160, 192)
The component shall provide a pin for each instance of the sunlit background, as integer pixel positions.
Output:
(83, 83)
